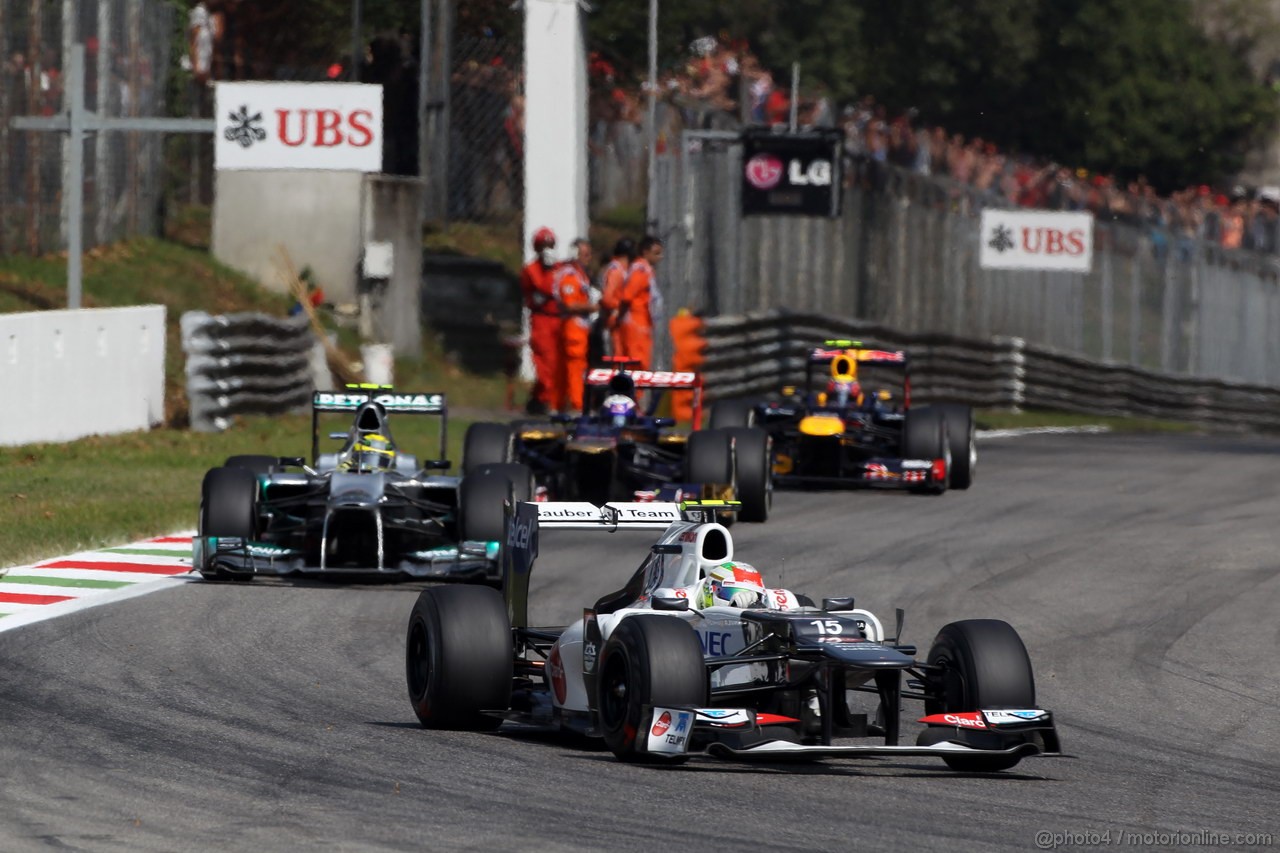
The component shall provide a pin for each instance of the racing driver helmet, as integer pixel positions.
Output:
(732, 584)
(371, 452)
(619, 409)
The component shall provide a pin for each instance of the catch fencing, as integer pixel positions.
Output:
(904, 255)
(127, 46)
(240, 364)
(756, 354)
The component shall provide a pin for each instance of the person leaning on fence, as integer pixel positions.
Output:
(640, 305)
(612, 279)
(573, 292)
(537, 286)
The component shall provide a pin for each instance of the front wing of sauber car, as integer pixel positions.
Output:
(353, 524)
(833, 656)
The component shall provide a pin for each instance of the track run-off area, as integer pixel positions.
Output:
(1143, 573)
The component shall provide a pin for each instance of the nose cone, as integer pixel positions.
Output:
(822, 425)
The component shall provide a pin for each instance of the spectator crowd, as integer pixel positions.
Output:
(721, 80)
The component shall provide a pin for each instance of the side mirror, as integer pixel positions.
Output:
(436, 465)
(339, 436)
(842, 603)
(664, 422)
(292, 462)
(667, 548)
(670, 603)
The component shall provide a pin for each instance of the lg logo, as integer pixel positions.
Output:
(765, 171)
(817, 175)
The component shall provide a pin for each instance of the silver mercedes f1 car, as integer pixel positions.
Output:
(367, 510)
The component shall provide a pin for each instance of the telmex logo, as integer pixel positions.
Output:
(391, 401)
(519, 535)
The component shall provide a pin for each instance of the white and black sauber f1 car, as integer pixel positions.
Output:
(367, 510)
(659, 680)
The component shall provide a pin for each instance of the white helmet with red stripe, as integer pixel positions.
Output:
(732, 584)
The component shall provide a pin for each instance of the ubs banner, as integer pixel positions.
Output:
(1036, 240)
(298, 126)
(791, 173)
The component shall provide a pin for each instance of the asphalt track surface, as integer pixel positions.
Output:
(1142, 572)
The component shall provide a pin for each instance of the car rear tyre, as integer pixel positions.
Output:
(733, 413)
(961, 434)
(709, 461)
(984, 665)
(925, 436)
(753, 470)
(648, 660)
(487, 444)
(482, 495)
(458, 658)
(256, 464)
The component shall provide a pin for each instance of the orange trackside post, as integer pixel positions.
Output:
(688, 347)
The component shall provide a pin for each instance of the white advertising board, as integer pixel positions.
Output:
(298, 126)
(1036, 240)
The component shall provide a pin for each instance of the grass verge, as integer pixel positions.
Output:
(997, 419)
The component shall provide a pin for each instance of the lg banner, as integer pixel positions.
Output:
(298, 126)
(791, 173)
(1036, 240)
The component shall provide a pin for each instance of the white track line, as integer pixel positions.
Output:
(1089, 429)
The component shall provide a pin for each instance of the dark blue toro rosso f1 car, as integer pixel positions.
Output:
(620, 448)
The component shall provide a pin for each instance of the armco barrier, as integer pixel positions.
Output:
(754, 354)
(68, 374)
(246, 364)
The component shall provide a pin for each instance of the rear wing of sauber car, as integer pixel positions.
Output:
(525, 520)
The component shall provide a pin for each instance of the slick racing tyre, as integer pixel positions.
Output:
(984, 665)
(733, 413)
(648, 660)
(753, 469)
(228, 503)
(708, 461)
(256, 464)
(964, 447)
(925, 436)
(458, 658)
(228, 509)
(487, 444)
(481, 497)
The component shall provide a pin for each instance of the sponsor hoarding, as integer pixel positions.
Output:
(791, 173)
(1036, 240)
(298, 126)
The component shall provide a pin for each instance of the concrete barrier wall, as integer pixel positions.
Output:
(68, 374)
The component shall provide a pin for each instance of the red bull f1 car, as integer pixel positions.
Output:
(663, 669)
(853, 424)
